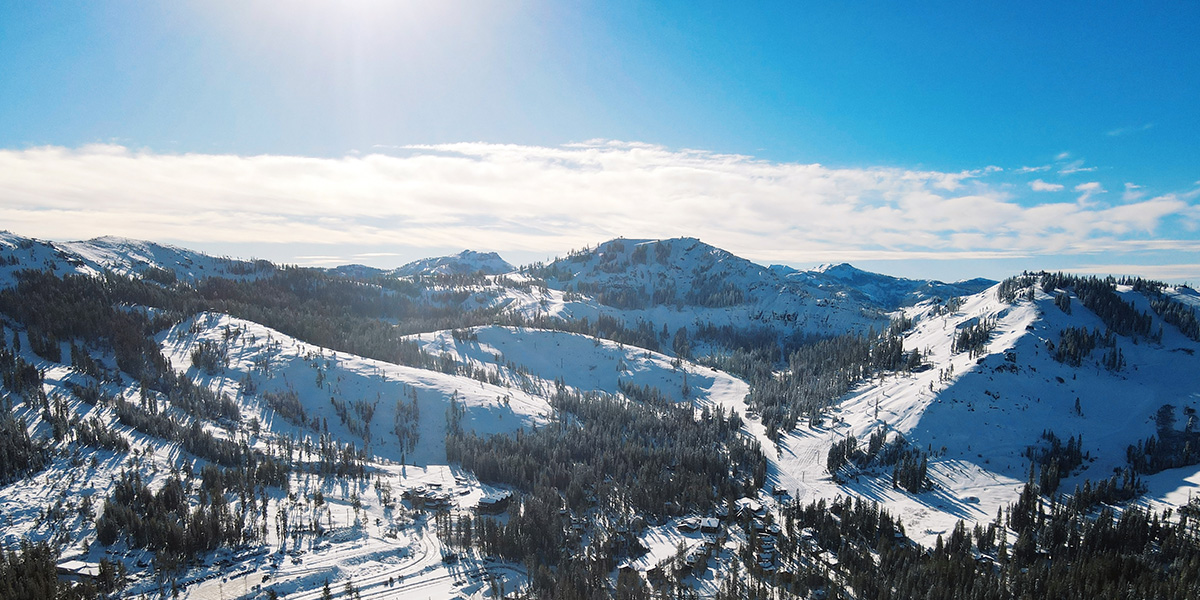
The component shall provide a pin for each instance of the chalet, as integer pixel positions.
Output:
(78, 570)
(750, 506)
(710, 525)
(494, 503)
(689, 524)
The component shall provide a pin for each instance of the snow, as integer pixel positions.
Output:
(984, 415)
(581, 362)
(412, 560)
(979, 421)
(367, 548)
(277, 362)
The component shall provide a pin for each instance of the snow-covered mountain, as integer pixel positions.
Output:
(688, 272)
(885, 290)
(684, 282)
(467, 262)
(993, 374)
(121, 255)
(358, 271)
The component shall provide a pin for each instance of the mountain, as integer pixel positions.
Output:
(127, 257)
(358, 271)
(467, 262)
(688, 272)
(645, 413)
(684, 282)
(886, 291)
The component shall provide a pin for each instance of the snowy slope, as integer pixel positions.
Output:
(533, 359)
(18, 253)
(386, 549)
(275, 362)
(980, 418)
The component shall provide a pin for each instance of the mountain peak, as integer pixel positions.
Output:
(841, 270)
(467, 262)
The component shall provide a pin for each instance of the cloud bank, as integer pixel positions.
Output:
(550, 199)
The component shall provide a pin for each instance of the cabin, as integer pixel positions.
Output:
(710, 525)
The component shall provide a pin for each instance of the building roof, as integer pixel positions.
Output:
(79, 568)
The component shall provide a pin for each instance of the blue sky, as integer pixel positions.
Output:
(953, 139)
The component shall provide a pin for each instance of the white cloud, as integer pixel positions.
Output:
(1024, 170)
(1120, 131)
(1089, 189)
(376, 254)
(1075, 166)
(322, 259)
(1132, 192)
(549, 199)
(1041, 186)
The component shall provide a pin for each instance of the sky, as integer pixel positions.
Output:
(933, 140)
